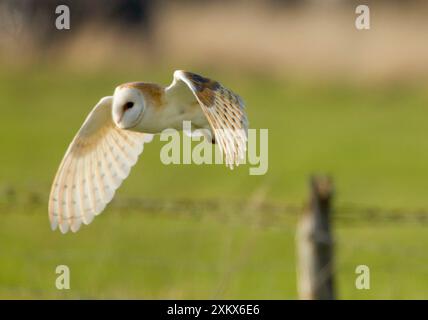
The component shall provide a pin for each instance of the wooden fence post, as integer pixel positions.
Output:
(315, 243)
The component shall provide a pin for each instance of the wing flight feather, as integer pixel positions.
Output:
(98, 159)
(225, 112)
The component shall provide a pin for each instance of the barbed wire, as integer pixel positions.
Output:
(271, 213)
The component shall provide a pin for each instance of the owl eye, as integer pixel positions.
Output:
(128, 105)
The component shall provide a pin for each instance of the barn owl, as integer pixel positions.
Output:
(113, 135)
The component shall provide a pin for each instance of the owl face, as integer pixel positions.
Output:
(128, 107)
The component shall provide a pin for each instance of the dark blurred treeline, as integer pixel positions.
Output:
(131, 13)
(36, 18)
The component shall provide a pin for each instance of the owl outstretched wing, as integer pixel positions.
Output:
(98, 159)
(225, 112)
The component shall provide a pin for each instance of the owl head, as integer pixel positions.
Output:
(128, 106)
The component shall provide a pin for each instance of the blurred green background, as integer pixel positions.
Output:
(335, 100)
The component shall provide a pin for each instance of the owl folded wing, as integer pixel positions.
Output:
(225, 112)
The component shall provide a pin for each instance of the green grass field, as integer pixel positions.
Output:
(370, 138)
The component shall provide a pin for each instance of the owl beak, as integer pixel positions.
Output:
(120, 117)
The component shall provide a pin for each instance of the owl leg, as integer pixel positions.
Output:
(209, 135)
